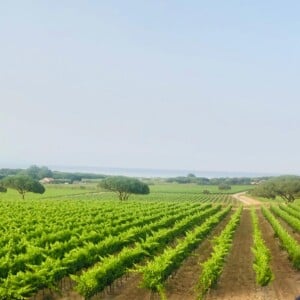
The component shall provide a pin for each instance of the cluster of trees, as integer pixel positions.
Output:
(73, 177)
(124, 186)
(38, 173)
(34, 172)
(27, 180)
(286, 187)
(190, 178)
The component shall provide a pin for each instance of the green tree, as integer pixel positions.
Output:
(286, 187)
(124, 186)
(23, 184)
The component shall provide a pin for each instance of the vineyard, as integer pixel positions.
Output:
(88, 245)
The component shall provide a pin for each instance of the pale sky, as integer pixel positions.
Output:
(199, 85)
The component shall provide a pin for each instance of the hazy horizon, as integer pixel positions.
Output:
(149, 172)
(158, 85)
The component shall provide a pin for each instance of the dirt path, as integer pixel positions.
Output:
(238, 279)
(246, 200)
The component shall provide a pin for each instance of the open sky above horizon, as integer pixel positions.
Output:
(199, 85)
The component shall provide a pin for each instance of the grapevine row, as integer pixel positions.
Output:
(287, 241)
(212, 268)
(157, 271)
(52, 270)
(36, 255)
(109, 269)
(291, 210)
(292, 221)
(262, 256)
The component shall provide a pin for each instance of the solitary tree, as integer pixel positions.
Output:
(286, 187)
(23, 184)
(124, 186)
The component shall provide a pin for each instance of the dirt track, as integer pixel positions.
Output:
(246, 200)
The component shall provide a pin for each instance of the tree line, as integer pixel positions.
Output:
(27, 180)
(191, 178)
(38, 173)
(286, 187)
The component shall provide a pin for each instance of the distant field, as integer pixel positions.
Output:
(194, 188)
